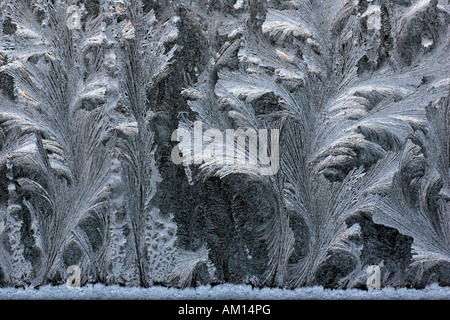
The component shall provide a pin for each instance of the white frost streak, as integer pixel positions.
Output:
(239, 4)
(226, 291)
(373, 14)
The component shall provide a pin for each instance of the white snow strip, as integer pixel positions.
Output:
(220, 292)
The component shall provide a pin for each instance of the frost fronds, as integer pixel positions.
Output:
(418, 204)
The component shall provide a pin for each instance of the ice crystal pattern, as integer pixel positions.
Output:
(91, 92)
